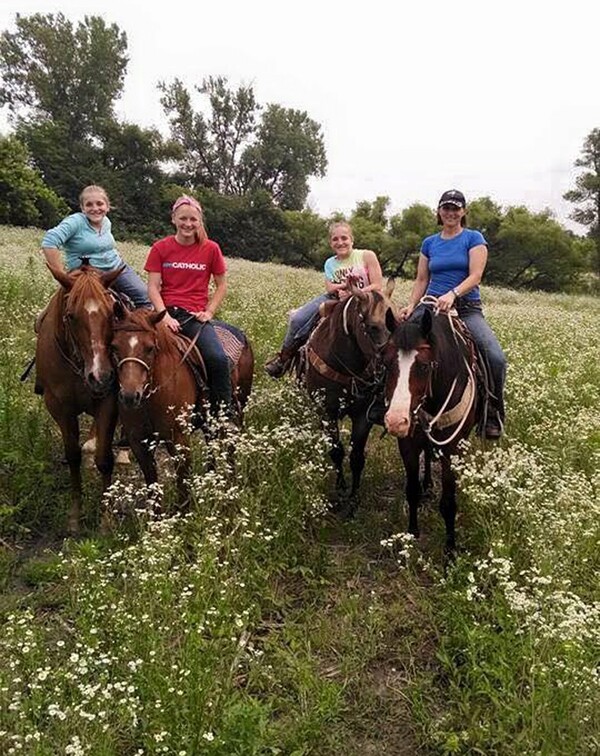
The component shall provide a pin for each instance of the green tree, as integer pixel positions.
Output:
(587, 191)
(237, 150)
(71, 75)
(535, 252)
(24, 198)
(408, 229)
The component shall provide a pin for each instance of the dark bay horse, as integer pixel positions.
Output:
(343, 372)
(74, 372)
(158, 388)
(433, 403)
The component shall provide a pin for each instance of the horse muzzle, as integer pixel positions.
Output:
(397, 423)
(131, 399)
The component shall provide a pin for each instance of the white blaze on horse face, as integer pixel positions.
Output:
(133, 342)
(397, 418)
(92, 306)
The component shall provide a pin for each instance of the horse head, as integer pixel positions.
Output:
(371, 319)
(409, 358)
(87, 323)
(134, 346)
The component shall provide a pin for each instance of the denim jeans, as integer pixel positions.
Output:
(213, 354)
(471, 314)
(302, 321)
(130, 284)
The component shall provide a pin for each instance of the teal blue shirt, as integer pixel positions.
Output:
(78, 238)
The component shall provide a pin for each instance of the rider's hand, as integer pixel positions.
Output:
(343, 294)
(446, 302)
(406, 312)
(204, 315)
(171, 323)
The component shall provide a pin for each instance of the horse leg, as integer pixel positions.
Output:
(361, 428)
(336, 452)
(427, 481)
(448, 504)
(180, 451)
(69, 429)
(410, 457)
(105, 422)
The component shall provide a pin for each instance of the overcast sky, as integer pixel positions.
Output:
(493, 98)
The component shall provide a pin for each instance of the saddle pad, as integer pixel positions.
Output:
(232, 340)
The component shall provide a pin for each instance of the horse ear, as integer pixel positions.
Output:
(107, 279)
(390, 286)
(426, 322)
(326, 308)
(390, 320)
(118, 310)
(156, 317)
(63, 278)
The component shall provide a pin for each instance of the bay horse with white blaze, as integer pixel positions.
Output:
(433, 403)
(344, 373)
(158, 376)
(74, 372)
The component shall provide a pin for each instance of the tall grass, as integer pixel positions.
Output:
(256, 624)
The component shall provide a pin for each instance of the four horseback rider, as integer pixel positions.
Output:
(180, 268)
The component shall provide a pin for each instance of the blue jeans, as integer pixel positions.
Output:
(302, 321)
(130, 284)
(471, 314)
(213, 354)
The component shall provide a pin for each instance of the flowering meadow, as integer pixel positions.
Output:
(257, 623)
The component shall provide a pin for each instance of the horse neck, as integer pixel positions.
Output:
(341, 339)
(450, 354)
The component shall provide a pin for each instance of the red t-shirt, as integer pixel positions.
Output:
(185, 271)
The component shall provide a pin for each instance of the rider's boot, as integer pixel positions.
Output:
(278, 365)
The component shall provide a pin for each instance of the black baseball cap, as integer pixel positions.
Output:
(453, 197)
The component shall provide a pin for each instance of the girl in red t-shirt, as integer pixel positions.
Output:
(180, 268)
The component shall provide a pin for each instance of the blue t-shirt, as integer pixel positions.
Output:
(449, 261)
(78, 238)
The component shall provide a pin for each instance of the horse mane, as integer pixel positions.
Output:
(450, 349)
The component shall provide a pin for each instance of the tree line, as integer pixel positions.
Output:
(249, 164)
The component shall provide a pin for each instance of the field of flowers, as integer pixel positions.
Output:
(258, 623)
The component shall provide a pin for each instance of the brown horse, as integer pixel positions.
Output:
(433, 403)
(343, 371)
(74, 372)
(158, 388)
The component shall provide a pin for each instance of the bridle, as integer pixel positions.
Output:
(458, 414)
(349, 378)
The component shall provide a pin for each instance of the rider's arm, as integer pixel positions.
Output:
(374, 270)
(218, 294)
(53, 257)
(56, 237)
(154, 295)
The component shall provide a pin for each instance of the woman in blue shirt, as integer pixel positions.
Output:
(450, 268)
(88, 234)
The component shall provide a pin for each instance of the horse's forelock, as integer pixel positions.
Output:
(407, 336)
(87, 286)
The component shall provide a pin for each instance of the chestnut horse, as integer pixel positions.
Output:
(433, 403)
(157, 373)
(74, 372)
(343, 372)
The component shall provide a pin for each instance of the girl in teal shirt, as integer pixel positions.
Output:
(88, 235)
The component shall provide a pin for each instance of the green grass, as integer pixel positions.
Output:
(259, 624)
